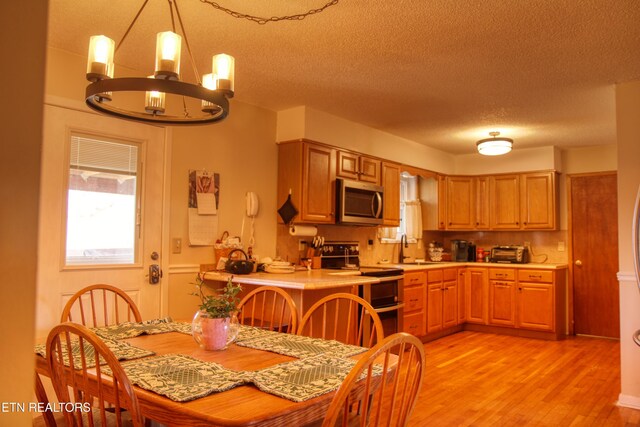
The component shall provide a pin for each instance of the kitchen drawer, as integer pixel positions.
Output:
(450, 274)
(543, 276)
(415, 278)
(434, 276)
(414, 324)
(414, 298)
(502, 274)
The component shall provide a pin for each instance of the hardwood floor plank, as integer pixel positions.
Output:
(478, 379)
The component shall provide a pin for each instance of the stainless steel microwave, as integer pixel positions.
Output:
(359, 203)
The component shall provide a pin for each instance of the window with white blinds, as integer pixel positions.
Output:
(102, 201)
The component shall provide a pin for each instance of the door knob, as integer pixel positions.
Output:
(578, 263)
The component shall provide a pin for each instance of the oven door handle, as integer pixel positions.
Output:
(387, 309)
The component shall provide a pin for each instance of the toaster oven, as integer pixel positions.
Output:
(510, 254)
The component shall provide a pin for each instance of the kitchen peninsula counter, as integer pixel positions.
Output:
(302, 280)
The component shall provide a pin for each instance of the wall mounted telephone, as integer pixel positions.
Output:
(252, 204)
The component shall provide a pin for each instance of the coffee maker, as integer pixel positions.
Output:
(459, 250)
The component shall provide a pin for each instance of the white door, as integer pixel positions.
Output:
(60, 275)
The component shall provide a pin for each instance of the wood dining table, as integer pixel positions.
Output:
(244, 405)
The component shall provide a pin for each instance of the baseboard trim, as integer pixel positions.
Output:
(628, 401)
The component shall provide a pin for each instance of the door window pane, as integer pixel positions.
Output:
(102, 201)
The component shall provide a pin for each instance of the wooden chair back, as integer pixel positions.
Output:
(100, 305)
(81, 384)
(382, 388)
(269, 307)
(343, 317)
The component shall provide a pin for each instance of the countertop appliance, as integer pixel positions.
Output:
(386, 297)
(459, 250)
(511, 254)
(359, 203)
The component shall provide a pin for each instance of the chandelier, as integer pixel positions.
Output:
(212, 91)
(494, 146)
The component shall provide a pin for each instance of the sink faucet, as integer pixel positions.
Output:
(403, 244)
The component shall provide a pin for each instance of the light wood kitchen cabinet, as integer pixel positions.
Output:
(538, 200)
(442, 299)
(307, 170)
(462, 284)
(460, 203)
(391, 185)
(482, 207)
(358, 167)
(477, 295)
(505, 202)
(414, 302)
(502, 297)
(450, 298)
(536, 300)
(442, 202)
(467, 200)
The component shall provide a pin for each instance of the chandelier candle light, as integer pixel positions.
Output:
(213, 92)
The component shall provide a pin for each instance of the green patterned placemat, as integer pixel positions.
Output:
(306, 378)
(134, 329)
(122, 350)
(246, 333)
(300, 346)
(182, 378)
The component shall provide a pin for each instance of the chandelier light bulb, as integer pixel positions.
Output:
(223, 67)
(168, 46)
(100, 59)
(154, 101)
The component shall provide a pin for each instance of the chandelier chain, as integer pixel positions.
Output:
(262, 21)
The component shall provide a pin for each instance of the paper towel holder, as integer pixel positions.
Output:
(303, 230)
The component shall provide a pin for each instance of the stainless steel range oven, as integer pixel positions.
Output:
(386, 297)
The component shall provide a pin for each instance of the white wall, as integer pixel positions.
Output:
(628, 128)
(241, 149)
(22, 41)
(305, 122)
(520, 159)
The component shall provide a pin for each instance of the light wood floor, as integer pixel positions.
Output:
(477, 379)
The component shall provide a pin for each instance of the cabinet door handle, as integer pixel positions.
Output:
(531, 276)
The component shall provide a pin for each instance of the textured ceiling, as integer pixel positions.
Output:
(439, 72)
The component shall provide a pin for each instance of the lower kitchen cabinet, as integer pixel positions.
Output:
(522, 301)
(477, 295)
(536, 300)
(502, 297)
(528, 303)
(462, 280)
(414, 302)
(442, 299)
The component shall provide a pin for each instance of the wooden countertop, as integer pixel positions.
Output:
(305, 280)
(327, 279)
(430, 266)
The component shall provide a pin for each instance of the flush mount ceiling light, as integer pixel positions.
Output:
(494, 146)
(213, 90)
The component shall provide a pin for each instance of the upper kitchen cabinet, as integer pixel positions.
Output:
(307, 170)
(467, 203)
(538, 200)
(358, 167)
(504, 194)
(391, 185)
(460, 203)
(525, 201)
